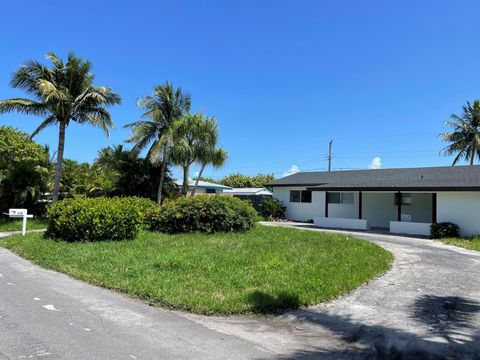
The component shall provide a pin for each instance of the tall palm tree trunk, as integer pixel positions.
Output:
(59, 165)
(198, 179)
(162, 176)
(186, 175)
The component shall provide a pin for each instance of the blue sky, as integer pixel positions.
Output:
(282, 77)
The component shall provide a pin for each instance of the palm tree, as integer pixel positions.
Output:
(208, 153)
(215, 157)
(61, 94)
(465, 138)
(191, 135)
(162, 109)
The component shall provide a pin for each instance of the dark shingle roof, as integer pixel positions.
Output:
(448, 178)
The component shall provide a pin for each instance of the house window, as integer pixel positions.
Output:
(304, 196)
(340, 197)
(406, 199)
(210, 191)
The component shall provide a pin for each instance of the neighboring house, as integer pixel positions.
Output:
(204, 187)
(402, 201)
(248, 192)
(254, 195)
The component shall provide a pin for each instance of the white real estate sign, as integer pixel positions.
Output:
(20, 213)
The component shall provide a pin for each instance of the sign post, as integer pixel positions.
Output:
(20, 213)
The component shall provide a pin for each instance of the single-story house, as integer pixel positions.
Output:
(204, 187)
(404, 201)
(254, 195)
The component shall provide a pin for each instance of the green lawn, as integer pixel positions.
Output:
(7, 224)
(264, 270)
(467, 243)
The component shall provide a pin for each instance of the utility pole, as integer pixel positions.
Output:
(330, 155)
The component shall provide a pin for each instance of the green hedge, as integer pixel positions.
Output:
(444, 230)
(144, 205)
(203, 213)
(272, 208)
(97, 219)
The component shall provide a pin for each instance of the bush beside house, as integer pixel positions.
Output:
(444, 230)
(206, 214)
(272, 208)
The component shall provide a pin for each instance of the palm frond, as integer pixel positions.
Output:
(98, 117)
(23, 106)
(50, 92)
(464, 138)
(51, 120)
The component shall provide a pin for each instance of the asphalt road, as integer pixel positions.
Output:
(47, 315)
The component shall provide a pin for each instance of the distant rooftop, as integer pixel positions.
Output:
(248, 191)
(203, 184)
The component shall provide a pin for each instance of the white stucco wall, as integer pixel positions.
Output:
(308, 211)
(411, 228)
(298, 211)
(461, 208)
(341, 223)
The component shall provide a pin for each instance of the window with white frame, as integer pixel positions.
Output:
(340, 197)
(304, 196)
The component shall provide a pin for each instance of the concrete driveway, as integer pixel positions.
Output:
(426, 307)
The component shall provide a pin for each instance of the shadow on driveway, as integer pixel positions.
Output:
(453, 333)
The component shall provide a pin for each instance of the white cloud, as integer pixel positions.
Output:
(376, 163)
(293, 169)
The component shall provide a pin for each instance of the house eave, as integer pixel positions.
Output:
(291, 185)
(396, 188)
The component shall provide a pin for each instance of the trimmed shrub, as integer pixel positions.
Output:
(96, 219)
(444, 230)
(207, 214)
(144, 205)
(272, 208)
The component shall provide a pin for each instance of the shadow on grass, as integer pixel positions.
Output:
(47, 236)
(453, 333)
(263, 303)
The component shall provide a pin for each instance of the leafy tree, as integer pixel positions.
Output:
(16, 146)
(161, 110)
(206, 178)
(61, 94)
(21, 164)
(124, 173)
(76, 178)
(464, 139)
(238, 180)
